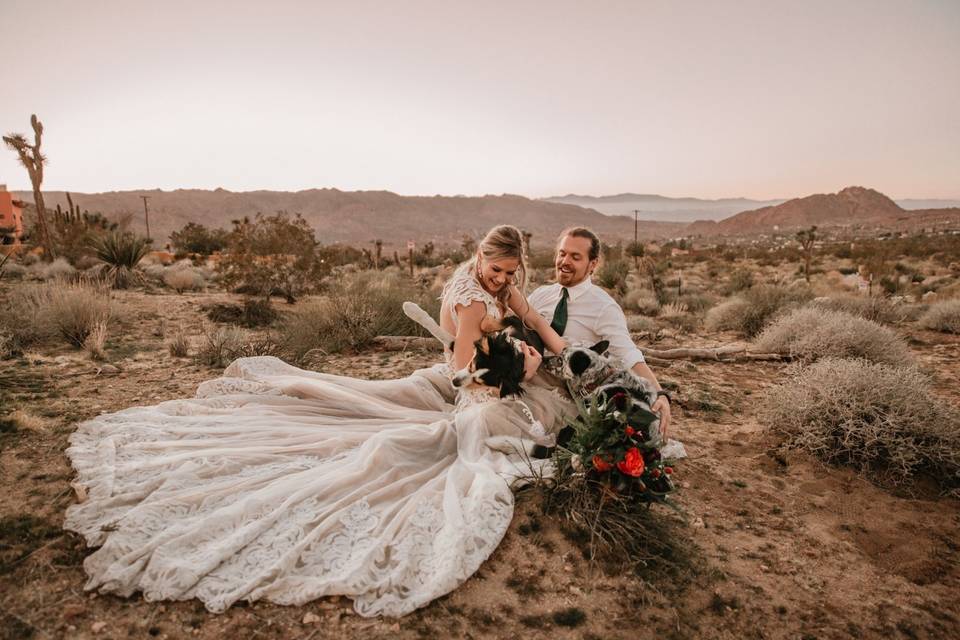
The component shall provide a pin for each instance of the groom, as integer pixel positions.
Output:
(583, 313)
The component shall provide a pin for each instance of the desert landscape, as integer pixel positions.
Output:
(774, 535)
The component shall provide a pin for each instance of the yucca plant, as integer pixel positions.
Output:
(120, 254)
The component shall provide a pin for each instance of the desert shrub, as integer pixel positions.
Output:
(119, 255)
(220, 345)
(943, 316)
(13, 271)
(641, 324)
(59, 269)
(813, 333)
(641, 301)
(254, 312)
(23, 320)
(272, 254)
(874, 417)
(740, 280)
(696, 302)
(612, 275)
(874, 308)
(750, 311)
(196, 238)
(76, 311)
(182, 279)
(675, 314)
(179, 346)
(364, 305)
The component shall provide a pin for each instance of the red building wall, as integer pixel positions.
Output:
(11, 216)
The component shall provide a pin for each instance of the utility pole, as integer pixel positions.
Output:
(636, 213)
(146, 214)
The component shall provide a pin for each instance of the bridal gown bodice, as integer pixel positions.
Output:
(288, 485)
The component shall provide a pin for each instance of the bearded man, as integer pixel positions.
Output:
(585, 314)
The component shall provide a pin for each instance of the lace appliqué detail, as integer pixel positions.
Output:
(463, 290)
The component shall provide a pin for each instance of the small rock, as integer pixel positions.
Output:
(311, 618)
(576, 591)
(97, 627)
(71, 611)
(698, 523)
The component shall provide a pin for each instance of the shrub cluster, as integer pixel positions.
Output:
(812, 333)
(364, 305)
(943, 316)
(874, 308)
(750, 311)
(34, 314)
(874, 417)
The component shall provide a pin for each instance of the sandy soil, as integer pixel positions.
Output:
(785, 547)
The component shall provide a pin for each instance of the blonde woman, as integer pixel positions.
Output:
(288, 485)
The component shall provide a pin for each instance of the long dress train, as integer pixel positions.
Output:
(287, 485)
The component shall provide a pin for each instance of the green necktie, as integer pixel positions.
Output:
(560, 313)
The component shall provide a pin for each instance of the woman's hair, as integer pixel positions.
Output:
(503, 241)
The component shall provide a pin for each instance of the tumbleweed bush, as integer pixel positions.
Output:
(877, 418)
(812, 333)
(943, 316)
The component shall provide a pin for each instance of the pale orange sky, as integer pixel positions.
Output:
(760, 99)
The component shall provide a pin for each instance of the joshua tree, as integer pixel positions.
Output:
(33, 160)
(806, 238)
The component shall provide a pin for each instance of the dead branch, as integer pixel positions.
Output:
(406, 343)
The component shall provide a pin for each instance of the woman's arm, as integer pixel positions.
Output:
(468, 332)
(519, 305)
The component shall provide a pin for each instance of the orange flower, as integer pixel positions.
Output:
(632, 463)
(630, 430)
(600, 464)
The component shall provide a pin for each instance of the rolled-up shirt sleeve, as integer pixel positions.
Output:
(612, 326)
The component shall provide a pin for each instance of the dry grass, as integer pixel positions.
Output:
(943, 316)
(874, 417)
(366, 305)
(220, 345)
(641, 301)
(813, 333)
(75, 311)
(96, 340)
(179, 346)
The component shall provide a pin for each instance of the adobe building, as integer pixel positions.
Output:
(11, 218)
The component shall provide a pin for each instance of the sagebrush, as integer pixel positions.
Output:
(812, 333)
(877, 418)
(748, 312)
(943, 316)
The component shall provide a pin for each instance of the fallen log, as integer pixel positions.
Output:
(406, 343)
(730, 353)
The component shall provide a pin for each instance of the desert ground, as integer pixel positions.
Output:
(777, 544)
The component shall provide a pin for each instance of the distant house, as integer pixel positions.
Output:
(11, 218)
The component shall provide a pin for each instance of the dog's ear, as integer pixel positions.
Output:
(579, 362)
(601, 347)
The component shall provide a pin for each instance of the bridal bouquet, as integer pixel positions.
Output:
(616, 447)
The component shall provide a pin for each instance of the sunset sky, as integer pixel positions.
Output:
(754, 98)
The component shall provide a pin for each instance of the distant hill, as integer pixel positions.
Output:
(655, 207)
(848, 207)
(358, 217)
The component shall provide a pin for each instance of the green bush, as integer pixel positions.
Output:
(119, 255)
(255, 312)
(196, 238)
(813, 333)
(874, 417)
(612, 275)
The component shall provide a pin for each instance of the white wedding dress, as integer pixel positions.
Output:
(287, 485)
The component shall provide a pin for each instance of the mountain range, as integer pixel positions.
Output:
(359, 217)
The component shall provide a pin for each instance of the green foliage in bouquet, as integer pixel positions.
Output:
(616, 447)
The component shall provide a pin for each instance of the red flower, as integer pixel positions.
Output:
(655, 473)
(600, 464)
(630, 430)
(632, 463)
(668, 470)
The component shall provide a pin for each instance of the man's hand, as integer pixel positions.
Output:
(662, 406)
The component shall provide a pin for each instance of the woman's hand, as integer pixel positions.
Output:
(531, 361)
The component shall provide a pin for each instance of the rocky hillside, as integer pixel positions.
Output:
(853, 206)
(358, 217)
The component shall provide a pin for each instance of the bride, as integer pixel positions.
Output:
(288, 485)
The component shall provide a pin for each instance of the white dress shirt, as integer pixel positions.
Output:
(592, 316)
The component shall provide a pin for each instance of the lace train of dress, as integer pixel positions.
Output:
(288, 485)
